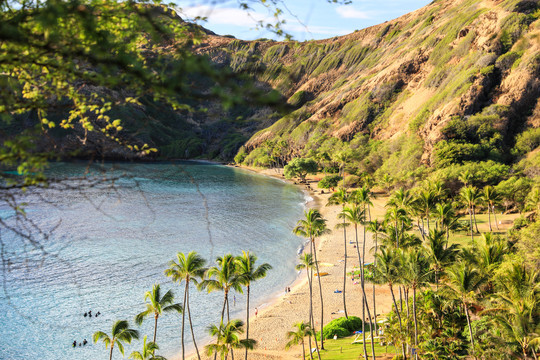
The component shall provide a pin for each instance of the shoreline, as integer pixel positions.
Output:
(277, 315)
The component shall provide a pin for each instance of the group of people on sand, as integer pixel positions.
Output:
(83, 343)
(89, 314)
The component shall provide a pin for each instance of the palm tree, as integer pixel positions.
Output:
(362, 197)
(306, 262)
(246, 270)
(490, 196)
(147, 352)
(438, 253)
(311, 227)
(446, 217)
(227, 339)
(397, 216)
(223, 278)
(297, 336)
(466, 178)
(386, 273)
(341, 197)
(189, 268)
(157, 306)
(425, 202)
(517, 308)
(376, 228)
(470, 196)
(416, 275)
(120, 333)
(462, 284)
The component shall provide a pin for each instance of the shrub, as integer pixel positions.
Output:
(329, 181)
(351, 181)
(342, 327)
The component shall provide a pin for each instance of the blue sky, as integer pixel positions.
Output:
(305, 19)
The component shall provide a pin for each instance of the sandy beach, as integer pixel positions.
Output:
(270, 326)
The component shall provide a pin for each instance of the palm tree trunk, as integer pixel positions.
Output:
(155, 326)
(310, 312)
(320, 292)
(489, 219)
(495, 216)
(470, 328)
(112, 346)
(427, 220)
(364, 292)
(222, 316)
(475, 223)
(191, 327)
(312, 317)
(415, 323)
(303, 350)
(344, 268)
(184, 321)
(374, 297)
(361, 264)
(247, 318)
(471, 226)
(404, 353)
(406, 292)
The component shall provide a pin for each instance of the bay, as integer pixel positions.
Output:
(100, 248)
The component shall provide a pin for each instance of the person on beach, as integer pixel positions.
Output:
(84, 342)
(74, 343)
(256, 312)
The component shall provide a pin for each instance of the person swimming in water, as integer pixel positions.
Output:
(74, 343)
(85, 314)
(84, 342)
(90, 313)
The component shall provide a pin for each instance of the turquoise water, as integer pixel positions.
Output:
(101, 248)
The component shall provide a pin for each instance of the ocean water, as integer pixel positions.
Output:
(99, 247)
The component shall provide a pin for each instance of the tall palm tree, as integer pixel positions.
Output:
(438, 253)
(157, 306)
(248, 272)
(120, 333)
(227, 339)
(386, 273)
(376, 228)
(223, 278)
(341, 197)
(470, 196)
(362, 197)
(463, 281)
(490, 196)
(148, 352)
(416, 275)
(311, 227)
(297, 336)
(306, 262)
(189, 268)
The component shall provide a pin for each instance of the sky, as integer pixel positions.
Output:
(304, 19)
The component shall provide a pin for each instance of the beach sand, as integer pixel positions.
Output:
(270, 326)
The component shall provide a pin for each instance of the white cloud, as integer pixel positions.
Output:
(225, 16)
(348, 12)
